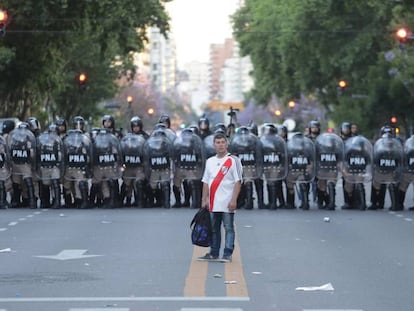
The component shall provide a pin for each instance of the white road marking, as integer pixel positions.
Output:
(121, 299)
(99, 309)
(408, 219)
(13, 223)
(68, 254)
(22, 219)
(333, 310)
(29, 216)
(211, 309)
(37, 213)
(399, 215)
(3, 229)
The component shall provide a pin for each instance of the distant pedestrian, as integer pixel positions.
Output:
(221, 186)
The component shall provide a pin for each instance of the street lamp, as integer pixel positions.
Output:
(130, 99)
(291, 104)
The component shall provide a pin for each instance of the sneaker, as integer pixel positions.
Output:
(207, 257)
(226, 258)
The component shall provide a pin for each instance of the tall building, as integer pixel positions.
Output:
(235, 79)
(163, 61)
(219, 53)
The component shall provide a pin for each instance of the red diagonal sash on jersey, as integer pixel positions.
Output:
(217, 180)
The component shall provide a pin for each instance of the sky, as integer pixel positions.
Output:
(198, 23)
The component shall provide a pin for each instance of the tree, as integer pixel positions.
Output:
(49, 42)
(307, 46)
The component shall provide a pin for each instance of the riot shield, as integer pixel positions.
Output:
(77, 150)
(329, 156)
(158, 156)
(49, 155)
(209, 146)
(301, 159)
(357, 166)
(408, 159)
(249, 150)
(5, 167)
(387, 160)
(188, 153)
(106, 154)
(132, 149)
(274, 157)
(22, 146)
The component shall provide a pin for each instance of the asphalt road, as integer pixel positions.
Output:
(142, 259)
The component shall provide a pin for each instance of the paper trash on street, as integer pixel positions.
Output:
(325, 287)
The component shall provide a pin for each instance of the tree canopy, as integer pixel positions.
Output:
(48, 43)
(305, 47)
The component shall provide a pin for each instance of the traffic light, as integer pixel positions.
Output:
(82, 78)
(3, 21)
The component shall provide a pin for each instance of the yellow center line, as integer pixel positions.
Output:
(195, 283)
(233, 271)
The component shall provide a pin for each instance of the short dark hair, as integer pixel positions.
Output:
(219, 135)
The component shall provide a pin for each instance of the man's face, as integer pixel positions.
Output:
(220, 144)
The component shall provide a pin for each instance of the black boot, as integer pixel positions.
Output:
(258, 184)
(290, 199)
(113, 193)
(44, 195)
(177, 196)
(187, 193)
(16, 196)
(67, 197)
(3, 196)
(271, 194)
(395, 206)
(279, 195)
(83, 187)
(241, 199)
(30, 190)
(166, 193)
(400, 199)
(94, 195)
(249, 195)
(381, 196)
(321, 195)
(360, 197)
(139, 193)
(56, 194)
(304, 190)
(374, 199)
(195, 194)
(330, 197)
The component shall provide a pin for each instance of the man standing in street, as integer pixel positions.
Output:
(221, 186)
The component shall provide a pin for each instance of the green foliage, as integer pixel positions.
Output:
(307, 46)
(49, 42)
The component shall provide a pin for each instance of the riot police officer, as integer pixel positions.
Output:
(158, 157)
(132, 149)
(62, 127)
(106, 166)
(357, 170)
(108, 122)
(189, 158)
(77, 150)
(329, 157)
(249, 150)
(22, 145)
(274, 165)
(50, 165)
(5, 164)
(387, 162)
(204, 127)
(301, 164)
